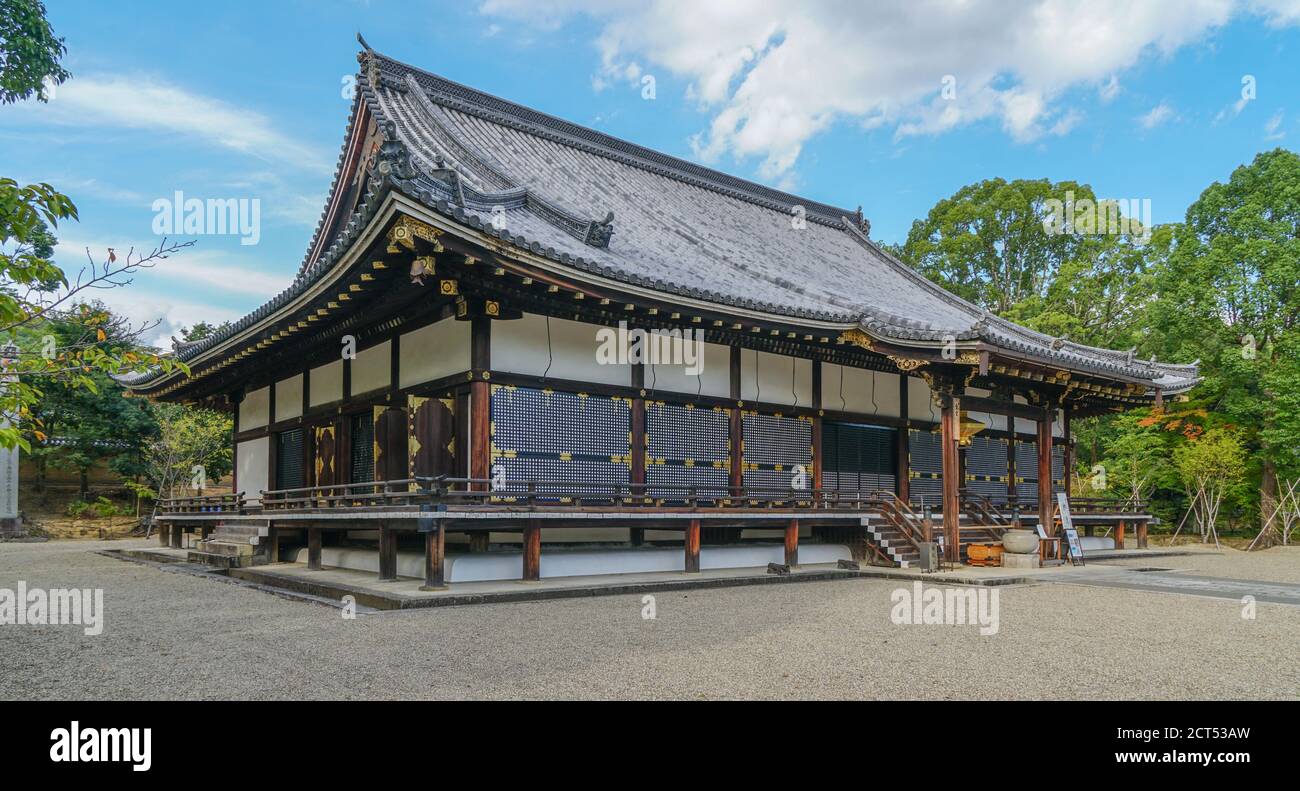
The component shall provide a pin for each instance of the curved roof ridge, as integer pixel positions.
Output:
(498, 110)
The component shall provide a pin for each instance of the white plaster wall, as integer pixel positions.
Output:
(519, 346)
(714, 378)
(772, 379)
(370, 369)
(437, 350)
(252, 459)
(255, 409)
(326, 383)
(859, 386)
(919, 404)
(288, 398)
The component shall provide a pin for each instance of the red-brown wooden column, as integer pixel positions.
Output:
(435, 558)
(902, 447)
(693, 546)
(480, 397)
(533, 551)
(949, 434)
(792, 543)
(818, 459)
(1045, 471)
(737, 426)
(387, 553)
(637, 447)
(1120, 530)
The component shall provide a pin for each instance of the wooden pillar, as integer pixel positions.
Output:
(637, 450)
(273, 542)
(1119, 534)
(387, 553)
(949, 433)
(177, 537)
(903, 442)
(1142, 534)
(1069, 451)
(819, 460)
(435, 558)
(792, 543)
(693, 547)
(1045, 471)
(737, 427)
(533, 551)
(480, 396)
(204, 532)
(164, 534)
(313, 548)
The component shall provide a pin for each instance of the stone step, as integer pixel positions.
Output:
(218, 560)
(216, 546)
(240, 531)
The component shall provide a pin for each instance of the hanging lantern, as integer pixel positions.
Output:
(967, 427)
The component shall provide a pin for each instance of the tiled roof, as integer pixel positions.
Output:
(677, 227)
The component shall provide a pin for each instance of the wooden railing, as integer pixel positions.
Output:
(203, 504)
(372, 494)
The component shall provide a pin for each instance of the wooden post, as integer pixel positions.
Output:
(817, 457)
(313, 549)
(273, 542)
(636, 456)
(177, 537)
(480, 396)
(1069, 451)
(1045, 471)
(1142, 534)
(533, 551)
(164, 534)
(792, 543)
(693, 547)
(951, 478)
(903, 443)
(387, 553)
(435, 558)
(1119, 534)
(737, 428)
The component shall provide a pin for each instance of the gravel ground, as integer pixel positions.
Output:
(1276, 564)
(171, 635)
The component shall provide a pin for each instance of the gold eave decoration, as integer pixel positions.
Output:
(858, 338)
(407, 229)
(907, 364)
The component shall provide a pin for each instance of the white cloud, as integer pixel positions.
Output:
(1156, 116)
(1273, 127)
(134, 102)
(772, 74)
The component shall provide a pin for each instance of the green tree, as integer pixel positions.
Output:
(29, 52)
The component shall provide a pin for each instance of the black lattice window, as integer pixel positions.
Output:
(560, 437)
(1027, 471)
(362, 452)
(288, 459)
(925, 465)
(858, 457)
(1058, 468)
(687, 446)
(986, 467)
(775, 446)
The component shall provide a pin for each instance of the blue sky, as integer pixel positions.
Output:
(839, 102)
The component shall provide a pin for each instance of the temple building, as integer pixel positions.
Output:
(510, 330)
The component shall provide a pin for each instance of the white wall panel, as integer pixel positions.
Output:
(288, 398)
(775, 378)
(255, 409)
(326, 383)
(714, 378)
(863, 391)
(520, 346)
(437, 350)
(371, 368)
(252, 460)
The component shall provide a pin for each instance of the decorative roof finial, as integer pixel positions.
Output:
(864, 224)
(362, 41)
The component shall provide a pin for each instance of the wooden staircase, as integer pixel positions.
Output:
(896, 532)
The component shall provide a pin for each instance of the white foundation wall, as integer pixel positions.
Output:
(288, 398)
(775, 378)
(255, 409)
(519, 346)
(434, 351)
(326, 383)
(252, 462)
(859, 385)
(371, 368)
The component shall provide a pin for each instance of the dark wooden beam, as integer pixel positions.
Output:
(1044, 446)
(903, 446)
(435, 558)
(736, 426)
(387, 553)
(818, 458)
(792, 543)
(533, 551)
(313, 549)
